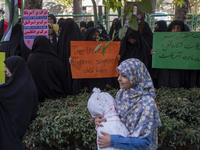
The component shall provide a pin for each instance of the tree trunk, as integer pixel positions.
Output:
(77, 4)
(153, 2)
(181, 12)
(33, 4)
(95, 11)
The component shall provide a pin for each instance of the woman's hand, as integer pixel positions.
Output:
(98, 121)
(70, 60)
(119, 57)
(104, 141)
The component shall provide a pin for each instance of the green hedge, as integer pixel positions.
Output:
(65, 124)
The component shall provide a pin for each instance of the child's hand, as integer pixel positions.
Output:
(104, 141)
(98, 121)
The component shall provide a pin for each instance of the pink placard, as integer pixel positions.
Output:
(35, 23)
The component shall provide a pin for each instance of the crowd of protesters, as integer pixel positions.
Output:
(135, 44)
(45, 70)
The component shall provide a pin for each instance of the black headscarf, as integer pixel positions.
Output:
(115, 27)
(104, 35)
(47, 69)
(53, 17)
(18, 104)
(139, 50)
(11, 47)
(162, 26)
(83, 24)
(60, 24)
(89, 34)
(69, 32)
(146, 33)
(176, 22)
(90, 24)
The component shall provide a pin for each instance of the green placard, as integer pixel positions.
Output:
(176, 50)
(2, 67)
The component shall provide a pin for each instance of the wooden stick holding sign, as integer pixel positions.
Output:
(89, 64)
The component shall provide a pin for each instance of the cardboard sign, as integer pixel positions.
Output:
(2, 67)
(35, 23)
(89, 64)
(176, 50)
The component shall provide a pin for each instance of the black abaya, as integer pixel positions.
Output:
(69, 32)
(18, 104)
(47, 69)
(139, 50)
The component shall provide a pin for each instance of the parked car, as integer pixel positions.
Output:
(162, 16)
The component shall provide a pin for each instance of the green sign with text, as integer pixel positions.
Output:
(176, 50)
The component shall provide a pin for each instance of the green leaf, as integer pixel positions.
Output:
(122, 32)
(130, 14)
(105, 48)
(119, 4)
(114, 8)
(130, 9)
(104, 2)
(98, 47)
(145, 6)
(133, 23)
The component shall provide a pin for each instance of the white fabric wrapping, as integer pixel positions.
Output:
(102, 103)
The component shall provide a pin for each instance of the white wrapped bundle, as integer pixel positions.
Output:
(102, 103)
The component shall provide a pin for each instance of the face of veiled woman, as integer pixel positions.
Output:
(176, 28)
(124, 82)
(7, 71)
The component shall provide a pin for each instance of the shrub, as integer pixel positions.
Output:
(65, 124)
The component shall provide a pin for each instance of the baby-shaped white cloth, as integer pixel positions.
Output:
(102, 103)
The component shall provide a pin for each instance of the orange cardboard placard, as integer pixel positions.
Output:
(89, 64)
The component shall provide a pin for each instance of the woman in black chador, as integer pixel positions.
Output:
(114, 30)
(103, 34)
(47, 69)
(69, 32)
(18, 103)
(92, 34)
(90, 24)
(180, 78)
(134, 46)
(158, 75)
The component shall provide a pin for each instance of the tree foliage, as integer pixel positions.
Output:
(64, 3)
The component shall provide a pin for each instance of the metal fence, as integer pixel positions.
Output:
(192, 20)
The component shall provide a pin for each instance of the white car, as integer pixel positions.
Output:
(162, 16)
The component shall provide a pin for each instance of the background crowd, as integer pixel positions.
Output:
(49, 64)
(45, 71)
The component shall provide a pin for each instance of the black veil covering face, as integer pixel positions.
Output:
(69, 32)
(18, 104)
(47, 69)
(116, 25)
(139, 49)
